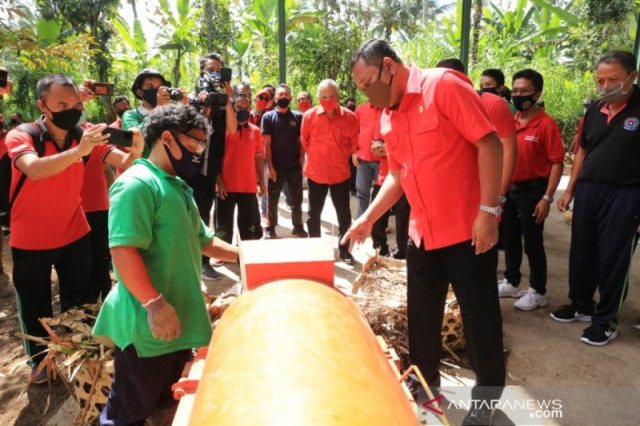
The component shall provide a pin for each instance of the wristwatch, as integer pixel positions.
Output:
(547, 198)
(502, 199)
(496, 210)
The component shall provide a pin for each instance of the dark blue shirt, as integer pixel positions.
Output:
(284, 129)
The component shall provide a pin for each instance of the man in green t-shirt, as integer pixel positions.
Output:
(152, 89)
(156, 314)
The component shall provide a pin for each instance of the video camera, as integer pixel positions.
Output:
(212, 84)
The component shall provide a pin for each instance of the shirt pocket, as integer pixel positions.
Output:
(425, 136)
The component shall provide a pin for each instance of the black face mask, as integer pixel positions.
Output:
(14, 122)
(189, 165)
(67, 119)
(493, 90)
(283, 102)
(150, 96)
(242, 115)
(523, 103)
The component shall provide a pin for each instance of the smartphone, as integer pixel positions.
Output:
(4, 77)
(103, 89)
(225, 74)
(118, 136)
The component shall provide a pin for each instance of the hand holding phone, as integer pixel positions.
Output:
(118, 136)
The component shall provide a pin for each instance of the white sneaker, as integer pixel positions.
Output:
(506, 289)
(530, 300)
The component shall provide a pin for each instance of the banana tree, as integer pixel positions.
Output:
(177, 31)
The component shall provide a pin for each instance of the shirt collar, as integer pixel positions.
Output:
(533, 121)
(320, 110)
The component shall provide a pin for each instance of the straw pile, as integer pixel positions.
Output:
(381, 293)
(83, 362)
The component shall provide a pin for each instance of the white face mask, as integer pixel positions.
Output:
(614, 94)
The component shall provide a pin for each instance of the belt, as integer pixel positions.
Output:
(529, 184)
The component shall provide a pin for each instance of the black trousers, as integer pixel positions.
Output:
(248, 216)
(518, 224)
(473, 278)
(32, 280)
(379, 230)
(293, 179)
(603, 238)
(340, 193)
(204, 193)
(100, 280)
(142, 385)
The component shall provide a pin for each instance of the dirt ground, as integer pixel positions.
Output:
(546, 360)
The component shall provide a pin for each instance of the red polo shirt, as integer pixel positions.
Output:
(539, 147)
(239, 161)
(499, 114)
(383, 171)
(47, 213)
(328, 144)
(431, 139)
(95, 193)
(369, 121)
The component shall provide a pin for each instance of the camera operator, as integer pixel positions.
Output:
(153, 90)
(213, 96)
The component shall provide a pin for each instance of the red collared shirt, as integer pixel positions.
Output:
(239, 161)
(47, 213)
(369, 121)
(539, 147)
(499, 114)
(328, 144)
(431, 139)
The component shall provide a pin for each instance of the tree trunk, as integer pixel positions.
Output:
(210, 30)
(477, 19)
(176, 68)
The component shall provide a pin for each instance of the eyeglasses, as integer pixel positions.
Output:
(264, 98)
(522, 92)
(200, 143)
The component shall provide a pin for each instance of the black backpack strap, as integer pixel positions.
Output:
(38, 145)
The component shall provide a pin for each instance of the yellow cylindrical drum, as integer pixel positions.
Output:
(295, 352)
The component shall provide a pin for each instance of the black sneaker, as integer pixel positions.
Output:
(478, 416)
(598, 335)
(383, 250)
(399, 254)
(269, 234)
(210, 274)
(298, 231)
(569, 313)
(347, 258)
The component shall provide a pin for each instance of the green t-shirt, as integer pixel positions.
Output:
(156, 213)
(134, 119)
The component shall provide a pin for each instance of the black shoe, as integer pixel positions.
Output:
(478, 416)
(346, 257)
(383, 250)
(569, 313)
(399, 254)
(210, 274)
(269, 234)
(598, 335)
(298, 231)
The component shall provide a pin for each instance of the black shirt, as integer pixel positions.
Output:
(612, 150)
(284, 129)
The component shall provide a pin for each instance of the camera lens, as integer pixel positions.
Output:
(175, 95)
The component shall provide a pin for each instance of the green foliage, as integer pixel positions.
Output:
(89, 38)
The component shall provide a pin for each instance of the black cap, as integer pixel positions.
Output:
(147, 72)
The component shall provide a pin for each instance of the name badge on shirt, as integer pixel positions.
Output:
(531, 138)
(293, 123)
(631, 123)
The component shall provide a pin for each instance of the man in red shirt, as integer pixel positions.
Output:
(440, 140)
(500, 116)
(535, 179)
(48, 225)
(120, 105)
(329, 136)
(366, 161)
(241, 177)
